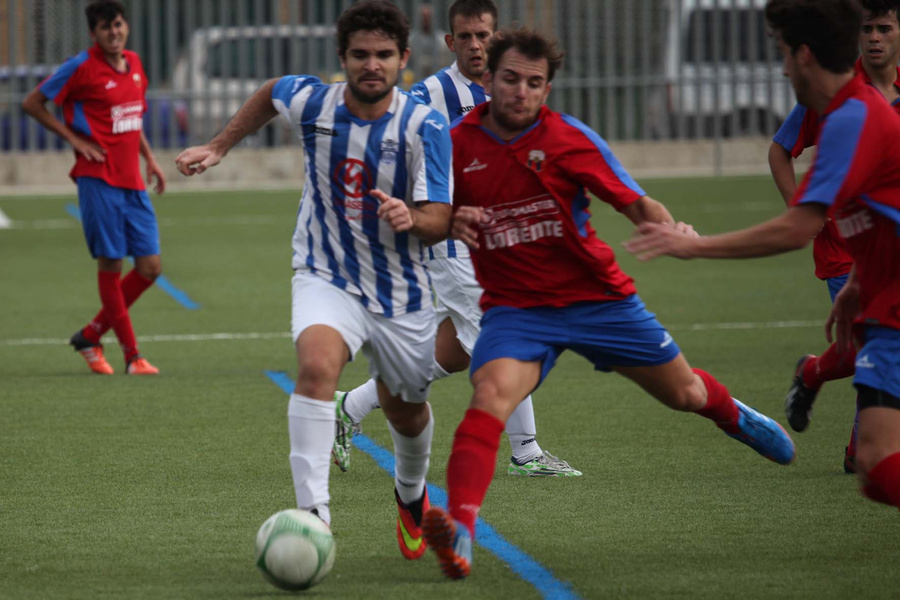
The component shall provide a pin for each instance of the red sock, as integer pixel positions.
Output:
(114, 304)
(472, 463)
(828, 367)
(133, 285)
(884, 480)
(719, 405)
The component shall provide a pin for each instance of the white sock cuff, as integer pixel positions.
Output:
(310, 408)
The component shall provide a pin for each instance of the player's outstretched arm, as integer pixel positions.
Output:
(647, 210)
(781, 164)
(791, 230)
(430, 221)
(256, 112)
(34, 106)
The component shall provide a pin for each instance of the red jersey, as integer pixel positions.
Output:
(800, 131)
(106, 107)
(537, 246)
(856, 174)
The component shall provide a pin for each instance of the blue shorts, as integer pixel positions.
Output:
(878, 361)
(609, 334)
(117, 222)
(835, 284)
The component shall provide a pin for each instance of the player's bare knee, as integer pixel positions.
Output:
(150, 272)
(317, 375)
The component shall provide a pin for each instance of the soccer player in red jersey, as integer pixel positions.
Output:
(879, 43)
(101, 92)
(855, 181)
(522, 175)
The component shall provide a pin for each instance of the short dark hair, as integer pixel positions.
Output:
(103, 10)
(830, 28)
(881, 8)
(373, 15)
(472, 8)
(532, 43)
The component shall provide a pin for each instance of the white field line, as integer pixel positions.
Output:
(205, 337)
(5, 222)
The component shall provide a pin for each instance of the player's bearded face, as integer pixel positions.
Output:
(518, 90)
(372, 64)
(791, 71)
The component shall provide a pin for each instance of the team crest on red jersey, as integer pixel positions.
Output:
(137, 79)
(536, 160)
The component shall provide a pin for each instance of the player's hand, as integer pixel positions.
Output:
(89, 150)
(154, 171)
(464, 224)
(652, 240)
(196, 160)
(394, 211)
(844, 311)
(686, 229)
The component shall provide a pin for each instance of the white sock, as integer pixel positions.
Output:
(311, 430)
(411, 457)
(438, 372)
(521, 430)
(361, 401)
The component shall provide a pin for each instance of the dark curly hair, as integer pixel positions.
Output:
(533, 44)
(881, 8)
(373, 15)
(103, 10)
(830, 28)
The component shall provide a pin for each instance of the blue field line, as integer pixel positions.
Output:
(180, 296)
(518, 561)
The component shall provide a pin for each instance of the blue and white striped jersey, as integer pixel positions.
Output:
(406, 153)
(451, 93)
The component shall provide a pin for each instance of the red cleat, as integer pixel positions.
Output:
(409, 526)
(141, 366)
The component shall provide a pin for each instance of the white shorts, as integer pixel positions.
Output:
(400, 350)
(458, 295)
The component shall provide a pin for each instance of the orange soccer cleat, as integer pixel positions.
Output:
(91, 353)
(141, 366)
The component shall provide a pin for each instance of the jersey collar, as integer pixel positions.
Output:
(861, 71)
(474, 119)
(850, 89)
(457, 74)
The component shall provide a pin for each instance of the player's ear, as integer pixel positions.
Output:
(546, 93)
(487, 78)
(404, 58)
(448, 39)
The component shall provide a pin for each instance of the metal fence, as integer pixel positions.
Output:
(635, 69)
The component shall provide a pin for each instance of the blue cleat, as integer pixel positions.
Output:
(451, 541)
(764, 435)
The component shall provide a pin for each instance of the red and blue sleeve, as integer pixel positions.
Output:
(60, 85)
(799, 131)
(836, 160)
(595, 167)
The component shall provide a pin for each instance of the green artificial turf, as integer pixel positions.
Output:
(116, 487)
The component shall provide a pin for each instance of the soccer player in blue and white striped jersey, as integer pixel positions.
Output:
(378, 189)
(454, 91)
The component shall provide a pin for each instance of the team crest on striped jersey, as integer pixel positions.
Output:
(353, 177)
(389, 150)
(536, 160)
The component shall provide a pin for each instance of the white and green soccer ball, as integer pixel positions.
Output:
(294, 549)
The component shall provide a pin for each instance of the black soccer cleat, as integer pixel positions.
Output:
(799, 401)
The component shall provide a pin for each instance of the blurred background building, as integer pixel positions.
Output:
(636, 70)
